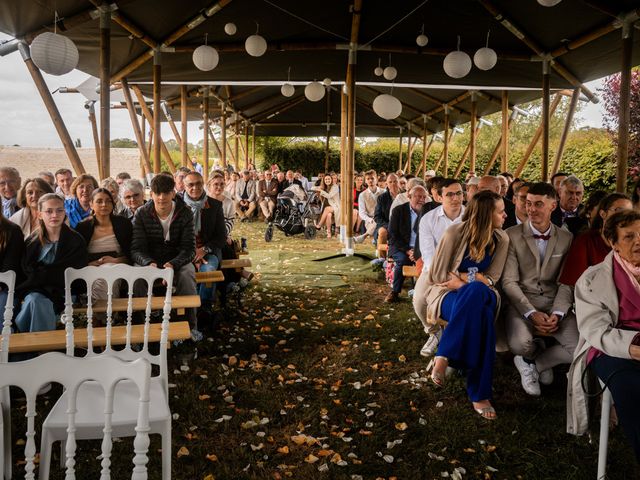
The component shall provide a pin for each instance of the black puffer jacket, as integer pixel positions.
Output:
(148, 244)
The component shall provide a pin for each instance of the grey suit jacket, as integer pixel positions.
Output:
(251, 190)
(531, 284)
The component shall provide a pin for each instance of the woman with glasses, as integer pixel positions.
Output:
(78, 207)
(52, 249)
(132, 193)
(591, 247)
(216, 189)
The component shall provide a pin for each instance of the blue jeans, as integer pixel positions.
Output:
(36, 314)
(401, 259)
(207, 294)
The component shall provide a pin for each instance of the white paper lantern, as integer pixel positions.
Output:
(326, 82)
(422, 40)
(54, 54)
(205, 58)
(230, 28)
(387, 106)
(287, 90)
(255, 45)
(378, 71)
(314, 91)
(549, 3)
(457, 64)
(485, 58)
(390, 73)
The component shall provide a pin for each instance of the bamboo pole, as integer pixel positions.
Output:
(431, 141)
(96, 135)
(546, 84)
(328, 137)
(498, 147)
(504, 163)
(253, 143)
(277, 109)
(446, 142)
(565, 132)
(215, 142)
(463, 159)
(473, 132)
(184, 125)
(236, 145)
(105, 92)
(624, 115)
(400, 151)
(172, 124)
(247, 160)
(423, 164)
(136, 126)
(410, 148)
(536, 137)
(223, 136)
(157, 78)
(441, 157)
(52, 109)
(407, 168)
(143, 130)
(343, 142)
(205, 143)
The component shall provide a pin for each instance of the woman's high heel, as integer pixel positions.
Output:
(438, 378)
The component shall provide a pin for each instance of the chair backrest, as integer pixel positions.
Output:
(9, 280)
(71, 373)
(130, 275)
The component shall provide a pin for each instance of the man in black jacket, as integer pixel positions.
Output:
(163, 236)
(208, 221)
(383, 208)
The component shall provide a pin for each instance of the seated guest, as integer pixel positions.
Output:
(113, 187)
(208, 221)
(382, 181)
(215, 189)
(383, 207)
(282, 182)
(49, 251)
(121, 177)
(9, 185)
(268, 194)
(11, 252)
(567, 213)
(472, 188)
(493, 184)
(78, 207)
(635, 196)
(178, 177)
(132, 193)
(163, 237)
(433, 187)
(504, 185)
(230, 185)
(49, 178)
(27, 217)
(557, 179)
(64, 179)
(518, 215)
(607, 308)
(330, 194)
(359, 186)
(403, 231)
(290, 180)
(591, 247)
(515, 183)
(195, 166)
(245, 196)
(589, 213)
(403, 196)
(538, 304)
(367, 205)
(460, 290)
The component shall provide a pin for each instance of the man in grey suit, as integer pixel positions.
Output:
(538, 305)
(245, 196)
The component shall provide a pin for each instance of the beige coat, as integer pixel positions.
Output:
(22, 218)
(448, 256)
(597, 316)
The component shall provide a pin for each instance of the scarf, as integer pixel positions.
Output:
(196, 207)
(75, 212)
(631, 270)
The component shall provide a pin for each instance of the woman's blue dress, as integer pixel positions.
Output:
(469, 339)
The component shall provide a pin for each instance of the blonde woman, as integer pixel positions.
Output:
(330, 194)
(28, 196)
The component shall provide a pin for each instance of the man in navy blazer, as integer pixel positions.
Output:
(403, 232)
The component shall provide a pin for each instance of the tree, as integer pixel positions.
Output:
(123, 143)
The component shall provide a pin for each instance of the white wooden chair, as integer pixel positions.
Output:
(124, 419)
(106, 372)
(8, 279)
(603, 444)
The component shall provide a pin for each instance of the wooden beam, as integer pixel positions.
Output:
(105, 92)
(157, 79)
(473, 132)
(215, 142)
(423, 164)
(253, 143)
(246, 93)
(328, 137)
(223, 137)
(343, 141)
(565, 132)
(446, 143)
(407, 165)
(67, 22)
(136, 126)
(400, 150)
(247, 158)
(203, 14)
(546, 82)
(53, 111)
(184, 125)
(498, 147)
(96, 135)
(236, 146)
(624, 116)
(205, 143)
(277, 109)
(504, 164)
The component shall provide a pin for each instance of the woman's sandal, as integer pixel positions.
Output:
(437, 378)
(488, 413)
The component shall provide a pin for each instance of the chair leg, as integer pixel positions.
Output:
(46, 445)
(166, 453)
(5, 447)
(604, 434)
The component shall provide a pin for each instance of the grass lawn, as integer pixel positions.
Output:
(314, 377)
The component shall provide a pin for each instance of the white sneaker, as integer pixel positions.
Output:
(528, 375)
(546, 377)
(359, 238)
(431, 347)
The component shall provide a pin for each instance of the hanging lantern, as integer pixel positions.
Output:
(255, 45)
(457, 64)
(387, 106)
(485, 58)
(205, 58)
(314, 91)
(287, 90)
(230, 28)
(326, 82)
(54, 54)
(549, 3)
(378, 71)
(390, 73)
(422, 40)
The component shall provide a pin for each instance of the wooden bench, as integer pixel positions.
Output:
(235, 263)
(56, 339)
(410, 271)
(209, 278)
(178, 303)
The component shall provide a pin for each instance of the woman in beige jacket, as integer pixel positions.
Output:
(460, 291)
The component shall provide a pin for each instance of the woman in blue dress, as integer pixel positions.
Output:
(467, 264)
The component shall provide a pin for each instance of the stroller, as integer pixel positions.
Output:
(295, 213)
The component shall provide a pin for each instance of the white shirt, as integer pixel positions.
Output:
(166, 223)
(367, 204)
(540, 243)
(432, 226)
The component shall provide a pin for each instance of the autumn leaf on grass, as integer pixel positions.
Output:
(209, 477)
(401, 426)
(204, 397)
(183, 452)
(212, 457)
(284, 450)
(311, 459)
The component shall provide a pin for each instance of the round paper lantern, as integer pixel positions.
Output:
(314, 91)
(230, 28)
(287, 90)
(387, 106)
(422, 40)
(54, 54)
(255, 45)
(549, 3)
(457, 64)
(485, 58)
(390, 73)
(378, 71)
(326, 82)
(205, 58)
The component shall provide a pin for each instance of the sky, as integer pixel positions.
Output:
(25, 121)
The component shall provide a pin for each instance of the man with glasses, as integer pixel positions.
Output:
(267, 194)
(519, 214)
(9, 186)
(132, 196)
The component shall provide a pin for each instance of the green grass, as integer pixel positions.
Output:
(318, 365)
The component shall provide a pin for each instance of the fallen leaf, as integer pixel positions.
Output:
(311, 459)
(212, 457)
(204, 397)
(183, 452)
(284, 450)
(401, 426)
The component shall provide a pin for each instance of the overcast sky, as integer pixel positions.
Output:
(24, 120)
